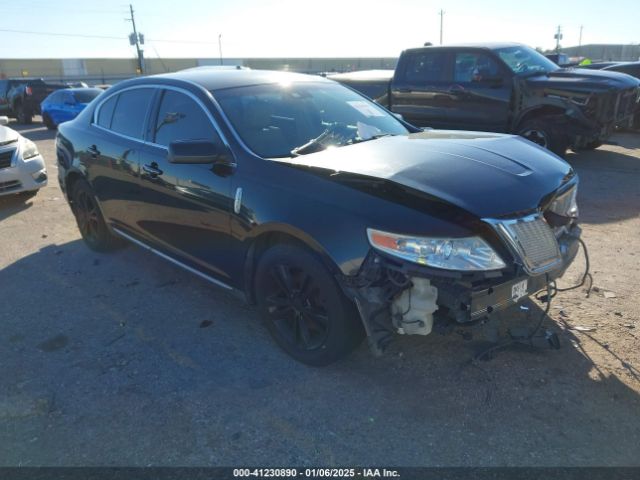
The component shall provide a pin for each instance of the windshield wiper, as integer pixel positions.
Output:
(317, 144)
(372, 137)
(314, 145)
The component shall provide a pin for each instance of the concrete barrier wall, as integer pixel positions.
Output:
(110, 70)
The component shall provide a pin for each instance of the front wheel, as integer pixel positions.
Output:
(90, 221)
(303, 307)
(544, 132)
(48, 122)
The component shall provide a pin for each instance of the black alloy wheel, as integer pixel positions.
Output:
(296, 307)
(544, 132)
(303, 307)
(92, 226)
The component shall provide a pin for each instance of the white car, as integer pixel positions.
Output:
(22, 168)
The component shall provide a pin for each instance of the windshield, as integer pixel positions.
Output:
(85, 96)
(523, 59)
(284, 120)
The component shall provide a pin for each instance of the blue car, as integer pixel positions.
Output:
(64, 105)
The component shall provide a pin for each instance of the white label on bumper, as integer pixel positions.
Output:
(519, 290)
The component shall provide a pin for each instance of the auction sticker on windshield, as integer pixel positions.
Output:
(366, 108)
(519, 290)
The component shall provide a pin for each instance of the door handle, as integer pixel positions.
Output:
(93, 150)
(152, 170)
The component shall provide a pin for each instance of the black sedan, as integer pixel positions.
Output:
(332, 215)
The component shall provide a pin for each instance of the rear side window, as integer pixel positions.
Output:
(106, 112)
(181, 118)
(426, 67)
(130, 112)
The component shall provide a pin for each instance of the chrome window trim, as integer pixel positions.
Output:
(172, 260)
(203, 107)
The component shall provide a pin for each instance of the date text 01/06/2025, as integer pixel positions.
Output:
(315, 473)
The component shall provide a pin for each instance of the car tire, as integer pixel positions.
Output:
(48, 122)
(303, 307)
(22, 115)
(540, 130)
(90, 221)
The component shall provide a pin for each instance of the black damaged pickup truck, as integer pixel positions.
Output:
(502, 88)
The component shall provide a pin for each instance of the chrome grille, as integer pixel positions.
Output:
(532, 240)
(6, 158)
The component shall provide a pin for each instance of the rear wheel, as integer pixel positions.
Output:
(544, 132)
(303, 307)
(92, 226)
(23, 115)
(48, 122)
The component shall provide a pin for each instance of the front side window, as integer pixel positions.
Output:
(131, 111)
(474, 67)
(426, 67)
(276, 120)
(181, 118)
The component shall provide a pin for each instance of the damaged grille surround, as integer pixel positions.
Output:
(539, 252)
(531, 241)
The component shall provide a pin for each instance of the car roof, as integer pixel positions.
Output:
(218, 79)
(621, 64)
(81, 89)
(481, 45)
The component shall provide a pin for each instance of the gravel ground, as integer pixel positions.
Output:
(123, 359)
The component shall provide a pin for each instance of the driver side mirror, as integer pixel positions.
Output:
(199, 152)
(4, 120)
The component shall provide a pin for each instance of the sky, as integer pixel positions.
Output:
(302, 28)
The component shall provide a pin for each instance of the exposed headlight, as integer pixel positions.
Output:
(565, 205)
(29, 149)
(468, 254)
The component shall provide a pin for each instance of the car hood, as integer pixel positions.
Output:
(488, 175)
(7, 135)
(582, 79)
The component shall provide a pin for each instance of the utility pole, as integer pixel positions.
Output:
(135, 39)
(580, 41)
(441, 13)
(220, 47)
(558, 37)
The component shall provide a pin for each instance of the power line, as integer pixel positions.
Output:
(55, 34)
(103, 37)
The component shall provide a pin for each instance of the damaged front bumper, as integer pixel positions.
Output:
(599, 117)
(394, 296)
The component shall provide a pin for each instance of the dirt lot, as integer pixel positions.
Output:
(123, 359)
